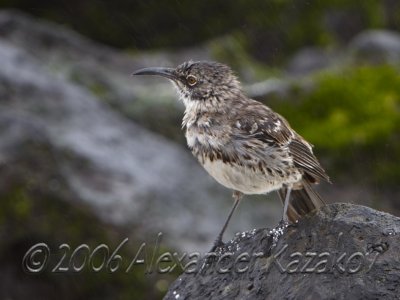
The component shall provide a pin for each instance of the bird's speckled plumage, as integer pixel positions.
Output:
(241, 142)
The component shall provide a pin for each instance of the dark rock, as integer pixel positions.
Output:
(344, 251)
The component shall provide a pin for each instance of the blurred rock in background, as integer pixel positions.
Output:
(90, 155)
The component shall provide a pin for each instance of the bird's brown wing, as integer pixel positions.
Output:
(304, 159)
(259, 122)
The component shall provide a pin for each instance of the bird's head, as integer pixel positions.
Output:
(202, 81)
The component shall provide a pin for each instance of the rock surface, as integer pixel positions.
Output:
(342, 252)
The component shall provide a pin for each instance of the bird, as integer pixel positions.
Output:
(242, 143)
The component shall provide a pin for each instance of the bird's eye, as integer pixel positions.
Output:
(191, 80)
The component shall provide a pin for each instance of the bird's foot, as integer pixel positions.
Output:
(278, 231)
(217, 244)
(212, 255)
(292, 225)
(283, 223)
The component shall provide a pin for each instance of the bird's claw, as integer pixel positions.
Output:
(217, 244)
(283, 223)
(210, 259)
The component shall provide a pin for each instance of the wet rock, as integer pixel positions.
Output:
(344, 251)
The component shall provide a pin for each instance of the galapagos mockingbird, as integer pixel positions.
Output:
(243, 144)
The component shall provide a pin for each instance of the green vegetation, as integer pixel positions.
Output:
(353, 114)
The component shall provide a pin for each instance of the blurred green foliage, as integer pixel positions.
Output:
(270, 29)
(354, 114)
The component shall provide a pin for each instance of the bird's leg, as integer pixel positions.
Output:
(218, 242)
(286, 205)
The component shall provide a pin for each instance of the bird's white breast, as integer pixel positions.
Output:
(243, 179)
(202, 138)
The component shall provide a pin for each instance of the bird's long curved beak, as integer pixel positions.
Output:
(164, 72)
